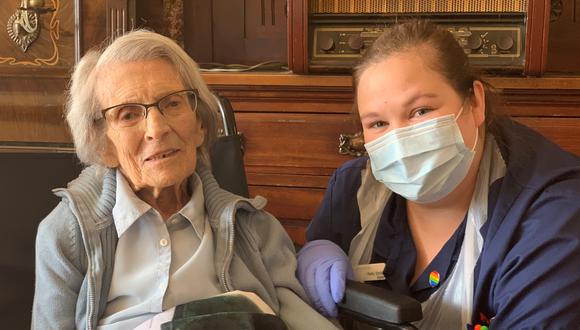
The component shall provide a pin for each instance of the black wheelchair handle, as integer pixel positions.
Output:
(380, 307)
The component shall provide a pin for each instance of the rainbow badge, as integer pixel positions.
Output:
(434, 279)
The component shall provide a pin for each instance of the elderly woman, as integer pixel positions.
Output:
(146, 227)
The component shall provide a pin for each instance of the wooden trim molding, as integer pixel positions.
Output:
(537, 37)
(298, 35)
(314, 81)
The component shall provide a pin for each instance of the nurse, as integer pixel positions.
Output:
(472, 214)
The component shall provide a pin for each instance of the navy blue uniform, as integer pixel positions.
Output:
(528, 273)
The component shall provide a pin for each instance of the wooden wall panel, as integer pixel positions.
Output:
(564, 39)
(294, 207)
(93, 24)
(53, 50)
(293, 140)
(290, 203)
(292, 126)
(236, 31)
(32, 110)
(563, 131)
(32, 82)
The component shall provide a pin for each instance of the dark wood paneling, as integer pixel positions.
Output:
(294, 207)
(51, 53)
(150, 15)
(563, 131)
(298, 36)
(236, 31)
(290, 203)
(296, 230)
(264, 176)
(537, 36)
(293, 99)
(32, 83)
(93, 24)
(198, 41)
(32, 110)
(293, 140)
(542, 103)
(564, 40)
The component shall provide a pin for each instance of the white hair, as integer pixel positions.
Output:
(83, 109)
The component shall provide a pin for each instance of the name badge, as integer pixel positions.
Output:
(369, 272)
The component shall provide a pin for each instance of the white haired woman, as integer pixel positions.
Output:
(145, 227)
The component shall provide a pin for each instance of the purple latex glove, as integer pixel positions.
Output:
(322, 269)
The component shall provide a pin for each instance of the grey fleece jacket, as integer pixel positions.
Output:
(75, 253)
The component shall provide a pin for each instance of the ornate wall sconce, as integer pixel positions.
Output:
(24, 25)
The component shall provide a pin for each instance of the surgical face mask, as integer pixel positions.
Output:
(422, 162)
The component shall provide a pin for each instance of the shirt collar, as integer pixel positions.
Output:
(194, 210)
(128, 207)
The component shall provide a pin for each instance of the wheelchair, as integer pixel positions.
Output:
(28, 176)
(364, 306)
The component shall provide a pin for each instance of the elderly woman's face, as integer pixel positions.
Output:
(159, 152)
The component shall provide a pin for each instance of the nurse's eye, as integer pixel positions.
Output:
(378, 124)
(420, 112)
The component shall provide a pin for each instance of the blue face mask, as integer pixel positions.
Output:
(422, 162)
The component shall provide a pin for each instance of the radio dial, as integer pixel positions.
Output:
(355, 42)
(505, 43)
(474, 42)
(326, 43)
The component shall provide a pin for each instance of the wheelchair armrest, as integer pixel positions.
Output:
(378, 306)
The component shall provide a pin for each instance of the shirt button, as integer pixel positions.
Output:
(174, 221)
(163, 242)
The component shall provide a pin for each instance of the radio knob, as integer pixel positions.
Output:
(474, 42)
(326, 43)
(355, 42)
(505, 43)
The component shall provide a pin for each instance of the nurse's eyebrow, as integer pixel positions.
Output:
(407, 103)
(370, 115)
(416, 97)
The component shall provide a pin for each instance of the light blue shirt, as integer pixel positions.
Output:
(158, 264)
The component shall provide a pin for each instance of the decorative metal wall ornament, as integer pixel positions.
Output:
(24, 25)
(556, 8)
(351, 144)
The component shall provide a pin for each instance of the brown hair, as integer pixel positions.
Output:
(446, 57)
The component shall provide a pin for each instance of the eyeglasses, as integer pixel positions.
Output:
(171, 105)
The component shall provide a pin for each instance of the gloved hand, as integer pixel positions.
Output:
(322, 269)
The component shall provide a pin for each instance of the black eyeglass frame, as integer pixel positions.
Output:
(146, 107)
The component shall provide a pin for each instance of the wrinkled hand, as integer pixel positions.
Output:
(322, 269)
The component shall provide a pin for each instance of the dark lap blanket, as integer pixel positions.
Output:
(222, 312)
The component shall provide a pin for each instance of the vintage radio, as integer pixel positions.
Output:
(496, 35)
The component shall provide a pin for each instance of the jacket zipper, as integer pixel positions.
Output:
(91, 302)
(90, 284)
(230, 248)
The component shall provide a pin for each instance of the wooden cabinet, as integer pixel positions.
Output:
(292, 123)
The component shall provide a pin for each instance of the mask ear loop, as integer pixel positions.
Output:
(476, 129)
